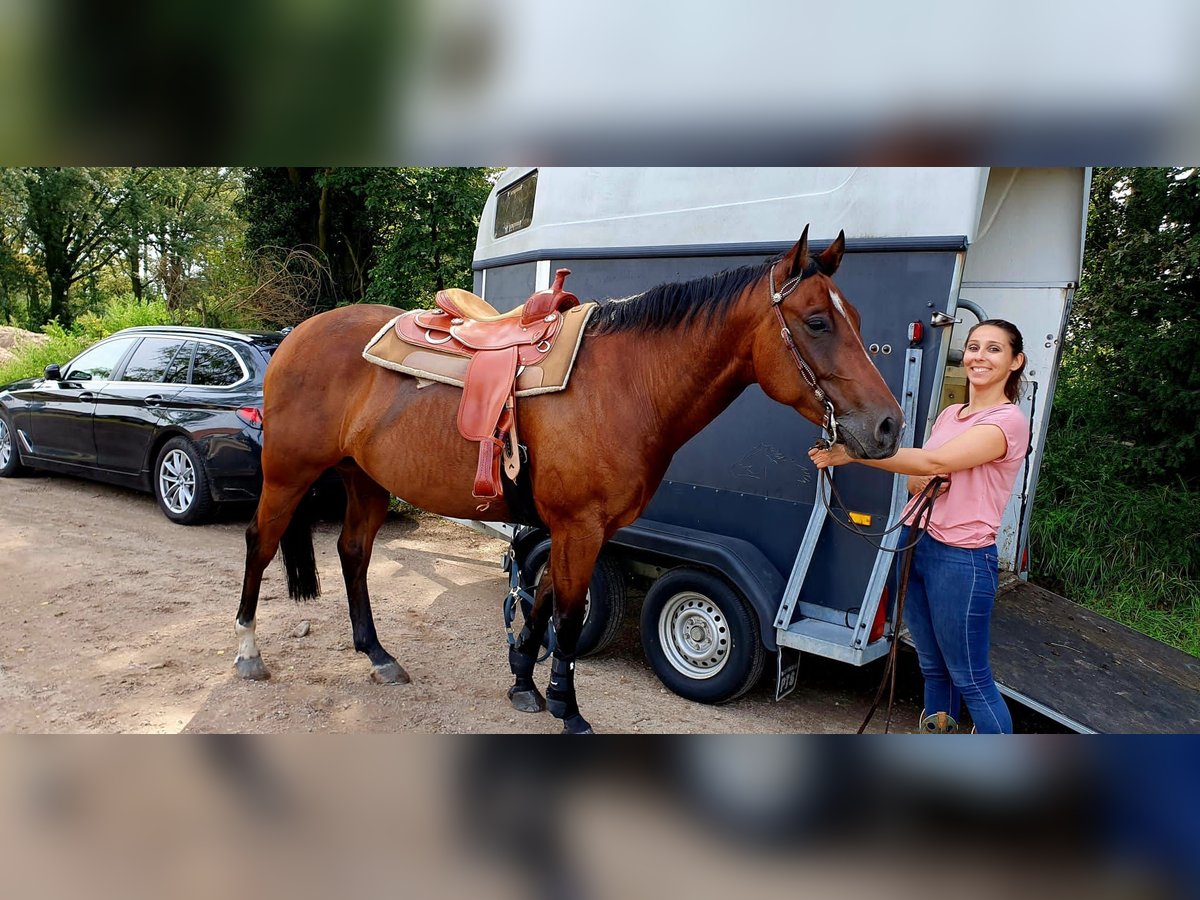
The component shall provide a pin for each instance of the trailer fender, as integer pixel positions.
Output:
(739, 562)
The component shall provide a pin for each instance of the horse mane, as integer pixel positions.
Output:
(677, 304)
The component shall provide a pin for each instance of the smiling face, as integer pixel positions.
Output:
(988, 358)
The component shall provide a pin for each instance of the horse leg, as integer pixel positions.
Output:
(522, 656)
(572, 558)
(366, 509)
(274, 516)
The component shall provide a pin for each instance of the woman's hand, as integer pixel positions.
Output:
(917, 483)
(834, 456)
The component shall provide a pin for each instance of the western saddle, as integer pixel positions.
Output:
(498, 346)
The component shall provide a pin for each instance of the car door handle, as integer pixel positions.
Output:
(154, 400)
(86, 395)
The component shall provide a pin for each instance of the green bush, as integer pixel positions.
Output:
(123, 312)
(31, 360)
(1126, 548)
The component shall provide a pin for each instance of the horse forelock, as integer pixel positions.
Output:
(678, 304)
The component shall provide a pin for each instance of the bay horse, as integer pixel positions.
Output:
(652, 371)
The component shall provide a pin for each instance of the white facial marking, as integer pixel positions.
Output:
(838, 305)
(841, 307)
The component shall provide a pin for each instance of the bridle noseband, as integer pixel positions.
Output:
(777, 298)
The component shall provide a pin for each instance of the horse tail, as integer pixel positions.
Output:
(299, 559)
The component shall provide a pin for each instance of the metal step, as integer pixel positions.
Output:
(829, 640)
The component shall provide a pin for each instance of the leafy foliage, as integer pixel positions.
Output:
(321, 211)
(428, 219)
(31, 360)
(1117, 521)
(1135, 328)
(70, 217)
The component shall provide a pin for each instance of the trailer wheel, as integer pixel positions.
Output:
(700, 637)
(607, 598)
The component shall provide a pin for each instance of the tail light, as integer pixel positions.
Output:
(251, 415)
(880, 617)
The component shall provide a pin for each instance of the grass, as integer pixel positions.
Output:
(1130, 552)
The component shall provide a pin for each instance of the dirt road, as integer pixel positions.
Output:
(117, 620)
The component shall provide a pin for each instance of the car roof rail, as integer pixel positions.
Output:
(198, 331)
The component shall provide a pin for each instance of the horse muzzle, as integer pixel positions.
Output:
(871, 436)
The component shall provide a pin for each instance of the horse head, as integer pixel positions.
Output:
(808, 353)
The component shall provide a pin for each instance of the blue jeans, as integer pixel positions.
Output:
(948, 611)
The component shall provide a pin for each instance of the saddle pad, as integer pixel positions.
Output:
(549, 374)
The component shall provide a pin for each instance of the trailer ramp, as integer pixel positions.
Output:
(1088, 672)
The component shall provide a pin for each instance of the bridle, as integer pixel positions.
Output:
(806, 372)
(920, 513)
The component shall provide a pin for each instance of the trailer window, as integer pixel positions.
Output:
(514, 205)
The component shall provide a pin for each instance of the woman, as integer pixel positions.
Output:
(978, 447)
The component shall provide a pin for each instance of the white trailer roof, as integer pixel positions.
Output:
(663, 207)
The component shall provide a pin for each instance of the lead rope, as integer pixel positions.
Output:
(922, 513)
(924, 506)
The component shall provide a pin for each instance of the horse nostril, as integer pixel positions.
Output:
(886, 429)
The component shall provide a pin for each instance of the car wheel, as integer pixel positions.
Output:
(10, 453)
(606, 598)
(180, 483)
(700, 637)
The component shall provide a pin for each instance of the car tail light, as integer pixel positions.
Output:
(251, 415)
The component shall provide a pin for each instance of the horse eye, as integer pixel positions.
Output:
(817, 325)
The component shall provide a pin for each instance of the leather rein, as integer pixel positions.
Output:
(920, 515)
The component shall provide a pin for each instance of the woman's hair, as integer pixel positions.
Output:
(1012, 387)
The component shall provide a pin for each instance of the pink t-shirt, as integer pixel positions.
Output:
(969, 513)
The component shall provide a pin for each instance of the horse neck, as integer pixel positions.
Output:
(685, 377)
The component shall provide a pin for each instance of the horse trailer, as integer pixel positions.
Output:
(740, 519)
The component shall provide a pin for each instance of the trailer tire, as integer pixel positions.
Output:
(607, 598)
(701, 637)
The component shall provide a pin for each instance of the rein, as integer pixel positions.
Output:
(918, 518)
(920, 514)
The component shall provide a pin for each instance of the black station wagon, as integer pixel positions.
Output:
(175, 411)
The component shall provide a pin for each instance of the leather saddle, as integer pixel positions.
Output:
(497, 347)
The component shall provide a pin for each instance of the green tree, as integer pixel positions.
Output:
(189, 212)
(72, 221)
(386, 235)
(15, 269)
(1131, 375)
(322, 211)
(428, 220)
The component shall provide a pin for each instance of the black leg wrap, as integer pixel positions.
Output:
(521, 665)
(560, 696)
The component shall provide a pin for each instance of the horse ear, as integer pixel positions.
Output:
(829, 261)
(797, 257)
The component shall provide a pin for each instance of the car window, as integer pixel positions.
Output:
(215, 366)
(151, 359)
(177, 372)
(97, 364)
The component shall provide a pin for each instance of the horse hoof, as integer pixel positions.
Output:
(251, 668)
(530, 701)
(390, 673)
(577, 725)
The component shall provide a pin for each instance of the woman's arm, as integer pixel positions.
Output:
(974, 447)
